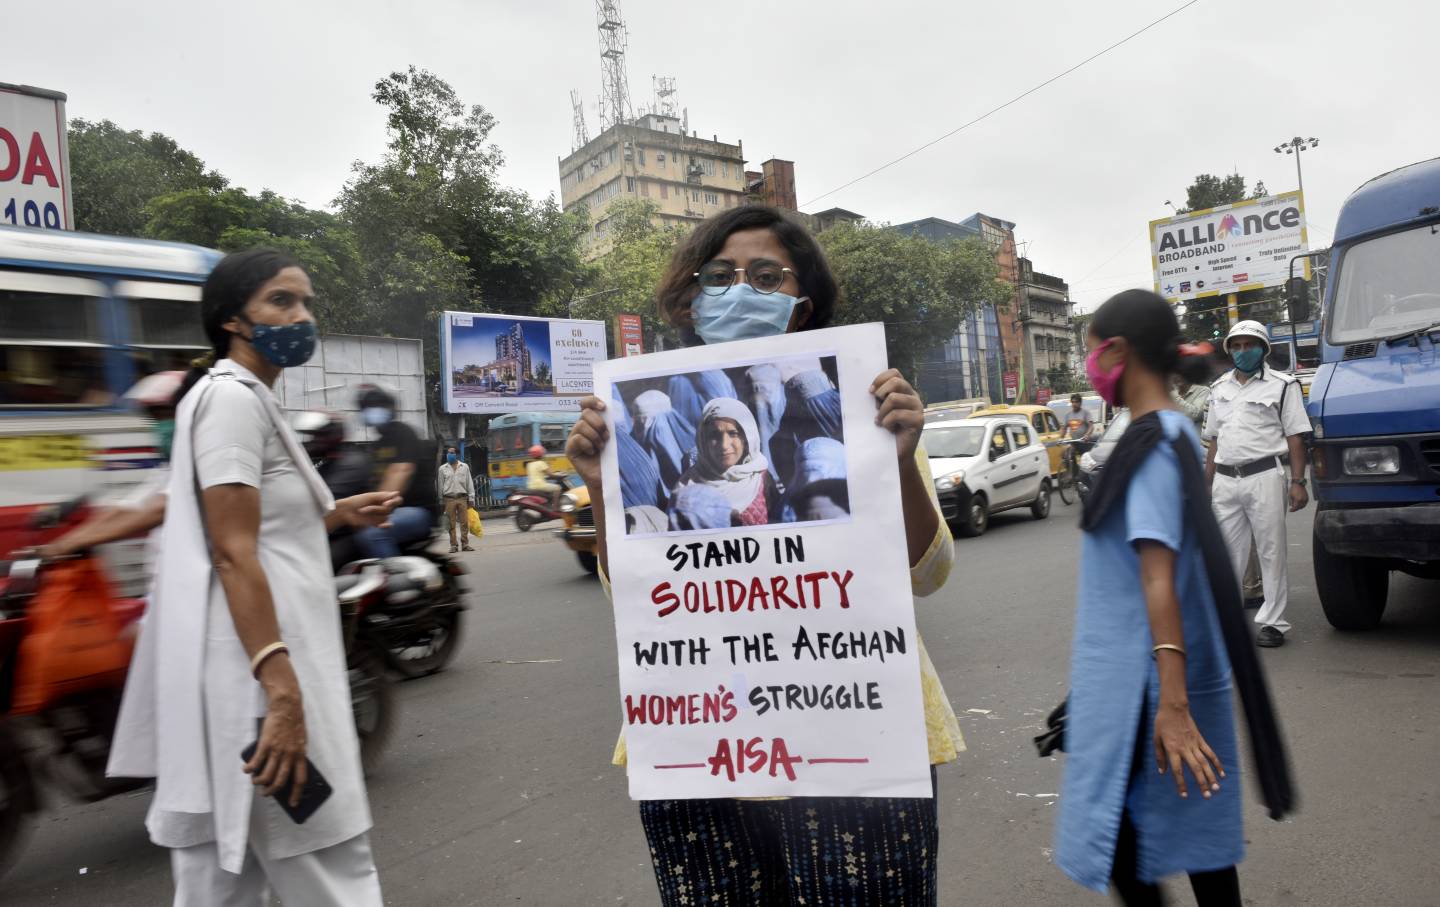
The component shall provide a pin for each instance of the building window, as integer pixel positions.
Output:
(644, 189)
(660, 159)
(695, 195)
(725, 169)
(640, 155)
(711, 198)
(664, 190)
(630, 184)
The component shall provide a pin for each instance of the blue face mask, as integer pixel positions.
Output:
(285, 345)
(1248, 360)
(742, 313)
(451, 458)
(375, 416)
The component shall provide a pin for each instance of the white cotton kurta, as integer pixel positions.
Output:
(190, 704)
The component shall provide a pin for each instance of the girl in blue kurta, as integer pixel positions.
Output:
(1149, 786)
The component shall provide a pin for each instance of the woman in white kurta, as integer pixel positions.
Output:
(243, 640)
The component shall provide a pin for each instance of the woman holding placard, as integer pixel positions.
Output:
(752, 272)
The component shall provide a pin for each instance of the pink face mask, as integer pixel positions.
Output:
(1106, 384)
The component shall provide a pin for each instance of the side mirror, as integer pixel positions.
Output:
(1297, 293)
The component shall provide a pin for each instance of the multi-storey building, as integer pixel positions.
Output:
(1045, 314)
(688, 178)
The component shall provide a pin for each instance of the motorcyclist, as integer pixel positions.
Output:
(144, 509)
(400, 464)
(539, 477)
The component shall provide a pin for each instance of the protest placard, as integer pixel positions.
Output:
(757, 557)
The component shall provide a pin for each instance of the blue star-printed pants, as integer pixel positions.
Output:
(833, 851)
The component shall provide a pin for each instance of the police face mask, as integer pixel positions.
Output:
(285, 345)
(1248, 360)
(742, 313)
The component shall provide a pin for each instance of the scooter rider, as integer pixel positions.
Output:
(538, 477)
(1257, 417)
(400, 464)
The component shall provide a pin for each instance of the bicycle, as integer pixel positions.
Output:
(1067, 481)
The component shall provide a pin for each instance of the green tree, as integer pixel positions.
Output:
(920, 289)
(115, 172)
(1209, 191)
(624, 279)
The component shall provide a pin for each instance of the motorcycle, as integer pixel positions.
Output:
(413, 620)
(531, 508)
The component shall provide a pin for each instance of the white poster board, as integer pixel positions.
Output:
(1230, 248)
(778, 658)
(34, 159)
(517, 363)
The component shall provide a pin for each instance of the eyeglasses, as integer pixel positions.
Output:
(717, 277)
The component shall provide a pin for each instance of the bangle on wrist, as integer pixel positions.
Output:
(264, 654)
(1171, 647)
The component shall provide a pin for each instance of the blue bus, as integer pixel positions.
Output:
(509, 441)
(82, 318)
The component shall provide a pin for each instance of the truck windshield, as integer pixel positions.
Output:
(1388, 286)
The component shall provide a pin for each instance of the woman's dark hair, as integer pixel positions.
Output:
(235, 279)
(678, 287)
(1149, 324)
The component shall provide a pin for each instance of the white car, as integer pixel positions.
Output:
(984, 466)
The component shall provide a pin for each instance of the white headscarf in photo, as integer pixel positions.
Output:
(741, 483)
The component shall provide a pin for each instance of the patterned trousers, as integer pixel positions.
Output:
(833, 851)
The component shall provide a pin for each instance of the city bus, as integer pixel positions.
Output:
(1295, 348)
(510, 438)
(82, 318)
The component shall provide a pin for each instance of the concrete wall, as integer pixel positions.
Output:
(342, 363)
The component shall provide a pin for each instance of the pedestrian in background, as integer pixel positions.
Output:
(1149, 673)
(457, 492)
(243, 632)
(1194, 397)
(1256, 424)
(765, 275)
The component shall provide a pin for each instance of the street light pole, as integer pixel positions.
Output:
(1295, 146)
(570, 306)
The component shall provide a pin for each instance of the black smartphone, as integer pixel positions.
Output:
(312, 796)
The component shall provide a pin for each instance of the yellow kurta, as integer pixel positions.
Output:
(942, 730)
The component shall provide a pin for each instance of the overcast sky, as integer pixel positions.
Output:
(277, 95)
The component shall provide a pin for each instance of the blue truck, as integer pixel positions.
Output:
(1375, 399)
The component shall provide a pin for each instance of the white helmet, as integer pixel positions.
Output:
(1252, 329)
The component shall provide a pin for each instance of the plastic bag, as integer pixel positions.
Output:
(477, 529)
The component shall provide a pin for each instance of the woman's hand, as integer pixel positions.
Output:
(372, 508)
(1178, 744)
(588, 437)
(901, 412)
(280, 756)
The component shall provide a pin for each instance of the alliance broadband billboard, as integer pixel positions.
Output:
(1244, 246)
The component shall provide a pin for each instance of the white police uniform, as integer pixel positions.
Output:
(1249, 425)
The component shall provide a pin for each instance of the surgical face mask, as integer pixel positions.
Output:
(375, 416)
(1106, 383)
(742, 313)
(451, 458)
(164, 436)
(1248, 360)
(285, 345)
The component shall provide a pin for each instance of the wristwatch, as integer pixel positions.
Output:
(1300, 482)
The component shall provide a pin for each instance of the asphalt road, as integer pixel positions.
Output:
(498, 788)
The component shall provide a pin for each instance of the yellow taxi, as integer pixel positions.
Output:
(1041, 418)
(579, 532)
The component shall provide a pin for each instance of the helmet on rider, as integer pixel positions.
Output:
(156, 391)
(536, 452)
(320, 430)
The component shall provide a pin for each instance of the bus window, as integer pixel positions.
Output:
(51, 342)
(552, 437)
(165, 327)
(1308, 354)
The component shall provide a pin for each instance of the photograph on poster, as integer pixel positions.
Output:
(499, 357)
(760, 444)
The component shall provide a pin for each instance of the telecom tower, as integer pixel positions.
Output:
(615, 84)
(665, 104)
(582, 134)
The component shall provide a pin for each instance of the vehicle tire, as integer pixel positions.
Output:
(589, 561)
(1068, 485)
(17, 794)
(432, 649)
(1041, 508)
(1352, 589)
(525, 519)
(373, 703)
(977, 517)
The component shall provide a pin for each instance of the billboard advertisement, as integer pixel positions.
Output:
(34, 159)
(517, 363)
(629, 335)
(1244, 246)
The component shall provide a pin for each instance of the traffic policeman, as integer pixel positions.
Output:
(1255, 424)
